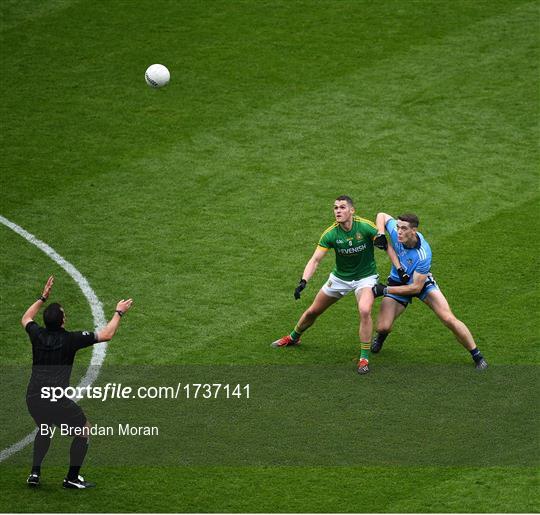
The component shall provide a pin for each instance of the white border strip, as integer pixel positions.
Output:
(99, 350)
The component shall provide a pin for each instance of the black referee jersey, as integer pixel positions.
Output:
(53, 353)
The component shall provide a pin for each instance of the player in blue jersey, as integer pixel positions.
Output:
(414, 280)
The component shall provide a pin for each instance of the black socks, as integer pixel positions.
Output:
(41, 446)
(77, 452)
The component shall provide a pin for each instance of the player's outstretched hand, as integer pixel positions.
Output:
(379, 290)
(299, 288)
(124, 305)
(380, 241)
(48, 287)
(403, 276)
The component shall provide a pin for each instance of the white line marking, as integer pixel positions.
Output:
(99, 350)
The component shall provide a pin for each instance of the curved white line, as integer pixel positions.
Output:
(99, 349)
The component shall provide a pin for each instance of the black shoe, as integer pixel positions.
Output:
(375, 345)
(481, 364)
(79, 483)
(33, 480)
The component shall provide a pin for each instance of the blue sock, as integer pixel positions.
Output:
(476, 354)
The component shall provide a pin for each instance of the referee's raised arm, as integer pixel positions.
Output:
(109, 330)
(33, 310)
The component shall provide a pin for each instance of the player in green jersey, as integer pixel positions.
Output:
(352, 239)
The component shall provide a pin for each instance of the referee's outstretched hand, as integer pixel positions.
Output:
(124, 305)
(48, 286)
(299, 288)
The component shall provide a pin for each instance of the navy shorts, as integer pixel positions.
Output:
(405, 300)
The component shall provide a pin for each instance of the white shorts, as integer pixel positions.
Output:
(336, 287)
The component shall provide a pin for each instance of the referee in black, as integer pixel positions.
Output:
(53, 352)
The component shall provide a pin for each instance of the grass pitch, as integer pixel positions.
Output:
(204, 200)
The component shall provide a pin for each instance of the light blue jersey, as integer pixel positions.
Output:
(416, 259)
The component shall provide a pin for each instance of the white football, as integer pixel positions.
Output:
(157, 76)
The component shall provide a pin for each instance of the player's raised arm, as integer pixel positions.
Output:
(381, 220)
(309, 270)
(109, 330)
(33, 310)
(381, 242)
(393, 258)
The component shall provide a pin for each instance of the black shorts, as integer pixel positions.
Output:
(63, 411)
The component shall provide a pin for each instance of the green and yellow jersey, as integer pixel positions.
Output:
(355, 257)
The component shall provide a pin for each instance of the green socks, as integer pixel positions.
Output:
(295, 334)
(364, 350)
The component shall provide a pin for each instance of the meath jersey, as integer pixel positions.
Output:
(354, 249)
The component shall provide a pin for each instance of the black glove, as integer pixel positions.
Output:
(380, 242)
(299, 288)
(403, 276)
(379, 290)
